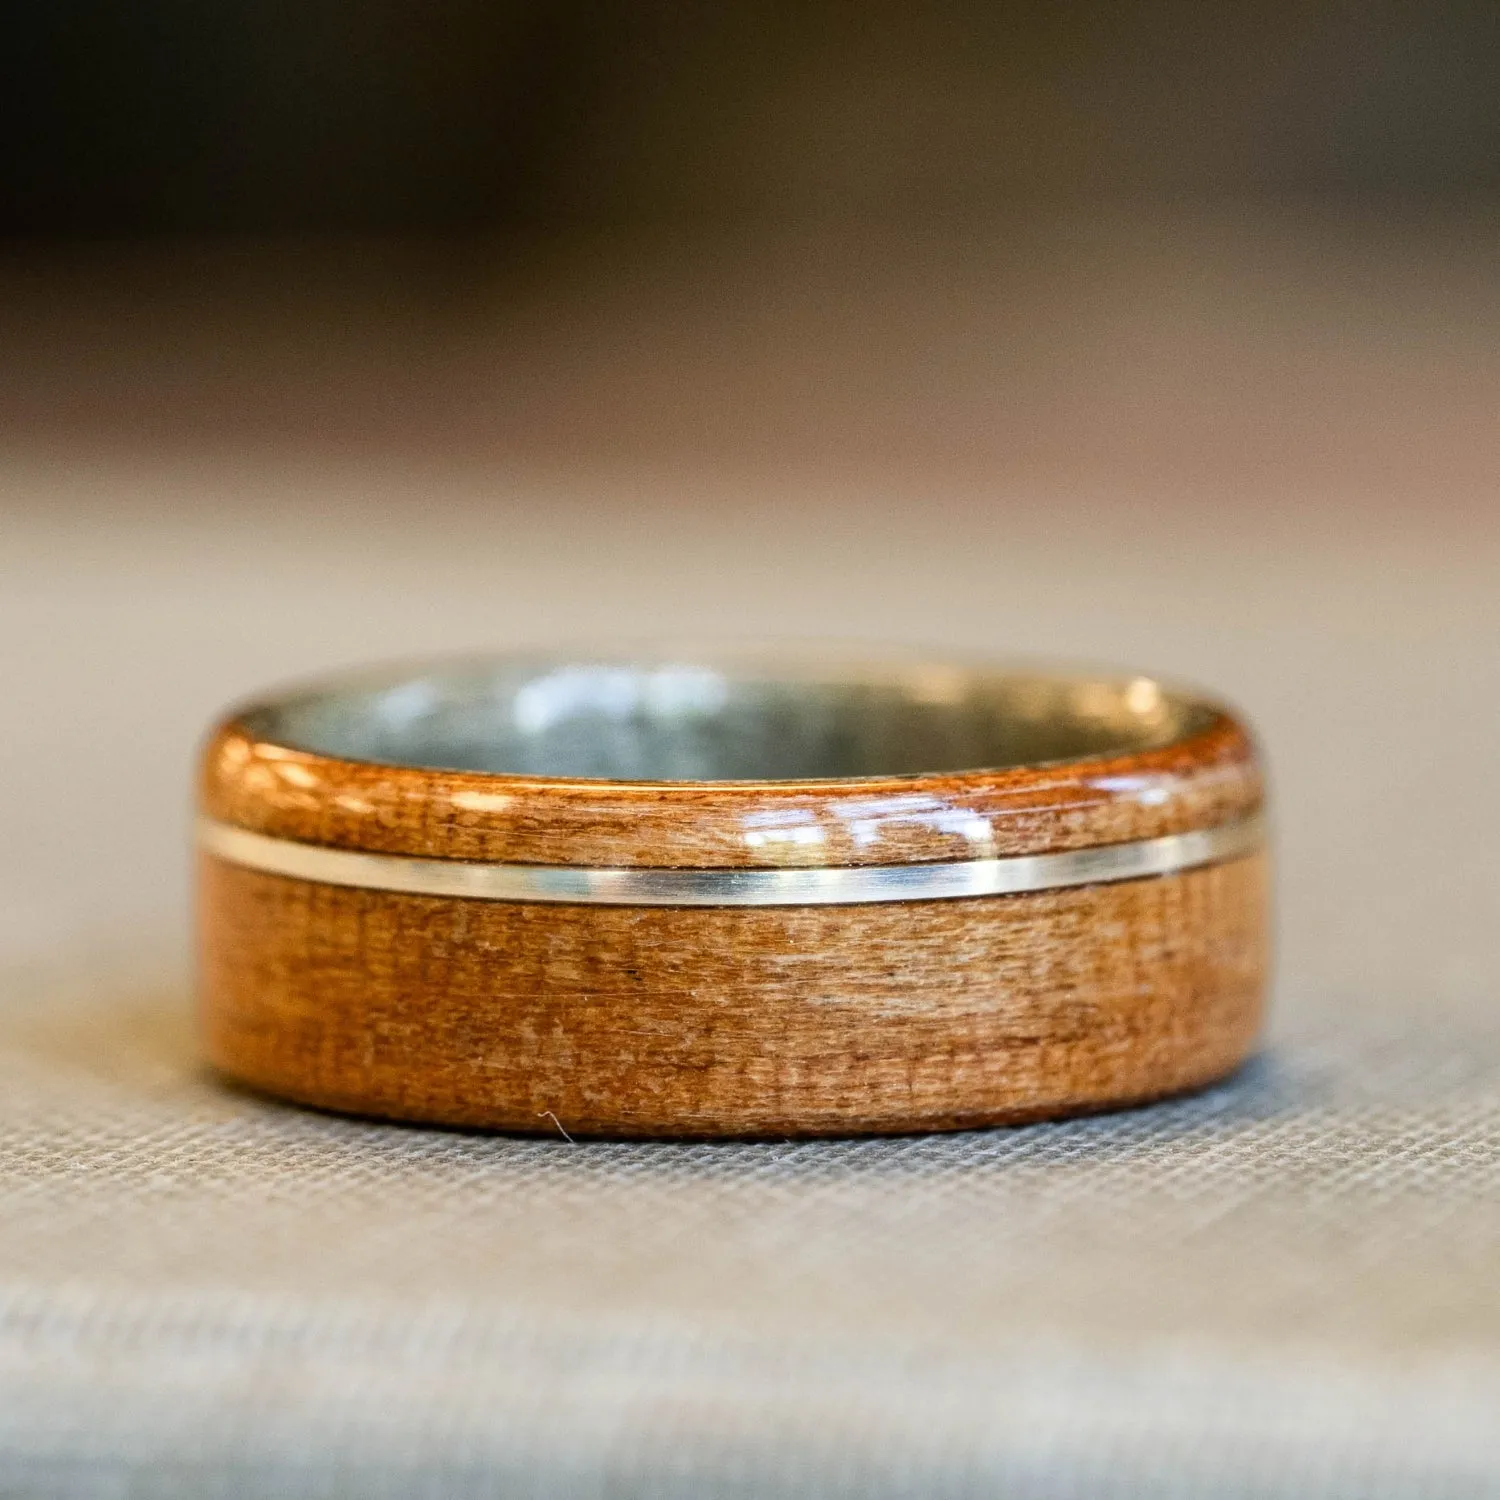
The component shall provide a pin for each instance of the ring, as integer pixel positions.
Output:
(730, 894)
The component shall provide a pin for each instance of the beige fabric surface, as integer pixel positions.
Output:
(1263, 464)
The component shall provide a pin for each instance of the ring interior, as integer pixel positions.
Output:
(687, 721)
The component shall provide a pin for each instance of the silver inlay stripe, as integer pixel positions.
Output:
(825, 886)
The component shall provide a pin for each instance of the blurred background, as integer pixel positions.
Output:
(251, 116)
(1157, 332)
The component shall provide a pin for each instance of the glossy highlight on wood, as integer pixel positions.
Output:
(707, 1021)
(293, 794)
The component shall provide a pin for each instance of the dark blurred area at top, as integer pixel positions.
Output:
(311, 115)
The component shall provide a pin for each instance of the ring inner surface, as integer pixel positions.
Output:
(670, 721)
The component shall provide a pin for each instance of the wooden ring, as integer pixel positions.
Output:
(734, 895)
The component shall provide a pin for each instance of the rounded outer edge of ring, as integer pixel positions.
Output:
(1202, 781)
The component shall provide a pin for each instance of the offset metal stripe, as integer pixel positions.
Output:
(826, 886)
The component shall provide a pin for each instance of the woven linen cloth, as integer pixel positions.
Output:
(1286, 1286)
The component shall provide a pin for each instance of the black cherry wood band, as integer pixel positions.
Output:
(730, 896)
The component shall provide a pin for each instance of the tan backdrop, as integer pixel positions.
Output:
(1262, 455)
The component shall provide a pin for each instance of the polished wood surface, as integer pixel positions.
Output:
(908, 1015)
(1207, 779)
(709, 1021)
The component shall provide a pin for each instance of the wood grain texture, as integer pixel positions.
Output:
(1210, 778)
(715, 1020)
(710, 1021)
